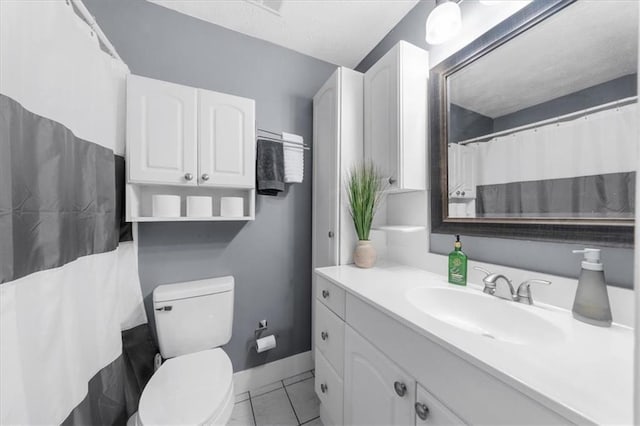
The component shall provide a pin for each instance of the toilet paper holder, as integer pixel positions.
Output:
(262, 327)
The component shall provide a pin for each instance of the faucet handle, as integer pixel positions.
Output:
(478, 268)
(524, 290)
(489, 287)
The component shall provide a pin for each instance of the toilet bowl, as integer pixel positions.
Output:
(194, 386)
(193, 389)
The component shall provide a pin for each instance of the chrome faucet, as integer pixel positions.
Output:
(522, 295)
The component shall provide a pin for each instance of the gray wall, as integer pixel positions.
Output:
(271, 256)
(553, 258)
(609, 91)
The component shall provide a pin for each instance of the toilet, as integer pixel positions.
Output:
(194, 386)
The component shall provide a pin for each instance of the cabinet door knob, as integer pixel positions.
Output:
(188, 176)
(325, 293)
(324, 335)
(401, 388)
(457, 192)
(330, 234)
(391, 181)
(462, 192)
(205, 177)
(323, 388)
(422, 410)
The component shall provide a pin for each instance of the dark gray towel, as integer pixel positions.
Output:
(270, 167)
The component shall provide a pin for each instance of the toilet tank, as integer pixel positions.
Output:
(193, 316)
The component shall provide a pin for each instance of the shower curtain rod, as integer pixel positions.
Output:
(561, 118)
(91, 21)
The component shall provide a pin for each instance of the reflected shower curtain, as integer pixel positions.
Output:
(581, 168)
(69, 288)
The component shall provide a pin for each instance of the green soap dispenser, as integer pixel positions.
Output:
(457, 264)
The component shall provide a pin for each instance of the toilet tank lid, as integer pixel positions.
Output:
(188, 289)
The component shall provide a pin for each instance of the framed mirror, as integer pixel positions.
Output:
(534, 126)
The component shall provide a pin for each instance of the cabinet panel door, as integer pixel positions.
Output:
(432, 412)
(325, 173)
(161, 132)
(226, 140)
(370, 386)
(381, 116)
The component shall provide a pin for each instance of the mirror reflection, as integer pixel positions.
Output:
(545, 125)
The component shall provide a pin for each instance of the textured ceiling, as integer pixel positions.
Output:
(337, 31)
(586, 44)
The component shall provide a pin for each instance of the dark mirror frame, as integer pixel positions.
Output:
(613, 232)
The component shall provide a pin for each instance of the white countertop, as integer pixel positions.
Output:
(588, 375)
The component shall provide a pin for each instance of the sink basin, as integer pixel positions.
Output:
(485, 315)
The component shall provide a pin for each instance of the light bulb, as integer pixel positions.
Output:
(443, 22)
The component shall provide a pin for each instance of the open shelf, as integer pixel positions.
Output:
(190, 219)
(139, 202)
(399, 228)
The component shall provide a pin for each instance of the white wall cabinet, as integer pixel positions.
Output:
(395, 116)
(186, 141)
(461, 172)
(161, 132)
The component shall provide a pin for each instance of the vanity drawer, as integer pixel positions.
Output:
(332, 296)
(328, 387)
(436, 413)
(329, 337)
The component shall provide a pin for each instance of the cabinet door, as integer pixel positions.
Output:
(381, 116)
(430, 411)
(161, 132)
(226, 140)
(376, 391)
(325, 173)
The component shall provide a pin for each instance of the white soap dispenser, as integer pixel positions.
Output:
(591, 304)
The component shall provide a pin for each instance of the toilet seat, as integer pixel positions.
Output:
(193, 389)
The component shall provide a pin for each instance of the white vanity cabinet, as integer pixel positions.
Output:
(389, 374)
(188, 142)
(395, 116)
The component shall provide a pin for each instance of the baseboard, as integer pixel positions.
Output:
(265, 374)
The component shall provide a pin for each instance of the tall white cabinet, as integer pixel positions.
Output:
(185, 141)
(337, 145)
(395, 116)
(382, 116)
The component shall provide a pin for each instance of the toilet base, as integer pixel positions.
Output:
(222, 419)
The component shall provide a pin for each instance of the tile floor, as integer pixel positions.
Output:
(291, 401)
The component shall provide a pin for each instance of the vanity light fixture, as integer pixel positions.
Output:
(443, 22)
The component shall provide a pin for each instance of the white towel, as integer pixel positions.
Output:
(293, 158)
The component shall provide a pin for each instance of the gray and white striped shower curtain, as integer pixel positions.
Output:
(69, 288)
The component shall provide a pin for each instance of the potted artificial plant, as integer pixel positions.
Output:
(364, 190)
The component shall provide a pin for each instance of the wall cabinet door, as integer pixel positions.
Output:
(161, 132)
(395, 116)
(226, 140)
(325, 173)
(376, 391)
(381, 116)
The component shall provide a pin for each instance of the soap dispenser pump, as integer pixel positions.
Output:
(591, 304)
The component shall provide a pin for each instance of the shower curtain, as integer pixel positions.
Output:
(69, 289)
(583, 167)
